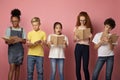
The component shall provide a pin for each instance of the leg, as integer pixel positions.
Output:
(61, 68)
(86, 62)
(109, 67)
(78, 61)
(17, 72)
(11, 71)
(53, 68)
(30, 67)
(98, 67)
(39, 67)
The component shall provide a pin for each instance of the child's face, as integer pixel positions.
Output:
(82, 20)
(58, 29)
(36, 26)
(107, 28)
(15, 22)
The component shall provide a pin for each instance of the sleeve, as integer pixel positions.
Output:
(24, 34)
(66, 39)
(48, 39)
(7, 34)
(96, 39)
(44, 36)
(28, 36)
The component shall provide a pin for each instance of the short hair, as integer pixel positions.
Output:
(57, 23)
(110, 22)
(35, 19)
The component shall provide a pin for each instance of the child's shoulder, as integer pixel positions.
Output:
(42, 31)
(99, 33)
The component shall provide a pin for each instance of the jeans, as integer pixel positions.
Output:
(32, 60)
(109, 67)
(54, 63)
(82, 53)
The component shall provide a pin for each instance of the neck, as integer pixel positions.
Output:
(15, 26)
(105, 31)
(58, 33)
(37, 30)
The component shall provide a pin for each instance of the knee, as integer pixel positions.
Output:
(61, 72)
(40, 72)
(30, 72)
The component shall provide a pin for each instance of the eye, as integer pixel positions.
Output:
(83, 20)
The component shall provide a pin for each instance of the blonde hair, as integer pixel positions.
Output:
(36, 19)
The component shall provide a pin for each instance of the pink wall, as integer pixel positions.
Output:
(66, 12)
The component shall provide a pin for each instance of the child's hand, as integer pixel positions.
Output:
(90, 36)
(76, 39)
(10, 41)
(105, 40)
(29, 44)
(49, 43)
(18, 40)
(65, 44)
(38, 42)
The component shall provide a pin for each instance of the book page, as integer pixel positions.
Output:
(114, 38)
(57, 40)
(12, 38)
(86, 33)
(60, 40)
(79, 33)
(82, 34)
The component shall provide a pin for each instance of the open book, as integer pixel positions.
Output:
(12, 38)
(6, 38)
(82, 34)
(57, 40)
(114, 38)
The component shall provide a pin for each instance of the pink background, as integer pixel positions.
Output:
(66, 12)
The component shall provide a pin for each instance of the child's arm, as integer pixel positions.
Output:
(65, 44)
(75, 39)
(11, 41)
(18, 39)
(90, 37)
(96, 46)
(23, 39)
(97, 41)
(103, 41)
(30, 45)
(49, 43)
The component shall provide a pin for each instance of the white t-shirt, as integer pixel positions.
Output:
(103, 50)
(57, 51)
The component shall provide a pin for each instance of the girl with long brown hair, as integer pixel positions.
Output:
(82, 45)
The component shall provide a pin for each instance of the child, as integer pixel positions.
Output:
(82, 45)
(15, 48)
(56, 53)
(105, 50)
(36, 39)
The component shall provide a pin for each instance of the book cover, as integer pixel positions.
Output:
(57, 40)
(82, 34)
